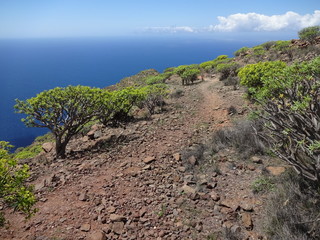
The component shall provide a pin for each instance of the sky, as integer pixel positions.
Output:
(100, 18)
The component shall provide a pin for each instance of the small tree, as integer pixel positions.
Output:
(62, 110)
(13, 190)
(309, 33)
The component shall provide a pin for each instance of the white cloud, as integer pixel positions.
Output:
(183, 29)
(260, 22)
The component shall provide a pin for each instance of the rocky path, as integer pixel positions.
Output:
(139, 183)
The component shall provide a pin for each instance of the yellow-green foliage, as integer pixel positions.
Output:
(258, 50)
(13, 190)
(281, 45)
(254, 75)
(309, 33)
(227, 69)
(28, 152)
(211, 65)
(64, 111)
(241, 51)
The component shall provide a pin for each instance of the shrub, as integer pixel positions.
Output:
(28, 152)
(292, 211)
(263, 184)
(291, 113)
(267, 45)
(253, 75)
(161, 78)
(242, 136)
(153, 96)
(241, 51)
(189, 75)
(207, 66)
(227, 69)
(13, 190)
(258, 51)
(281, 45)
(221, 57)
(309, 33)
(64, 111)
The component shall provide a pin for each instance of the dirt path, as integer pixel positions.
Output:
(137, 183)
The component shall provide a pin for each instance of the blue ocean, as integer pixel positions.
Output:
(29, 66)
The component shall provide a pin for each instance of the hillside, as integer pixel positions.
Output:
(164, 177)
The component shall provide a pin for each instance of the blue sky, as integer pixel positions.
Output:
(90, 18)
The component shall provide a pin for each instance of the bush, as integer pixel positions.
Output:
(28, 152)
(291, 112)
(242, 136)
(281, 45)
(189, 76)
(292, 211)
(13, 190)
(153, 96)
(268, 45)
(241, 51)
(227, 69)
(254, 76)
(258, 51)
(309, 33)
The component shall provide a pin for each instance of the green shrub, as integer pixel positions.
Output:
(208, 66)
(309, 33)
(227, 69)
(258, 50)
(241, 51)
(161, 78)
(189, 76)
(28, 152)
(253, 76)
(263, 184)
(221, 57)
(281, 45)
(13, 190)
(291, 107)
(268, 45)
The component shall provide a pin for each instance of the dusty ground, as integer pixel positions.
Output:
(131, 183)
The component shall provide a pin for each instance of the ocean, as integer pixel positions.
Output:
(30, 66)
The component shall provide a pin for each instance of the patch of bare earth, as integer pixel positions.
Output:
(131, 183)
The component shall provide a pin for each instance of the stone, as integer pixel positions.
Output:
(214, 196)
(48, 147)
(256, 160)
(97, 134)
(40, 185)
(111, 209)
(98, 236)
(187, 189)
(251, 167)
(276, 171)
(85, 227)
(246, 206)
(192, 160)
(149, 159)
(247, 220)
(117, 218)
(118, 227)
(235, 229)
(230, 204)
(83, 196)
(177, 156)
